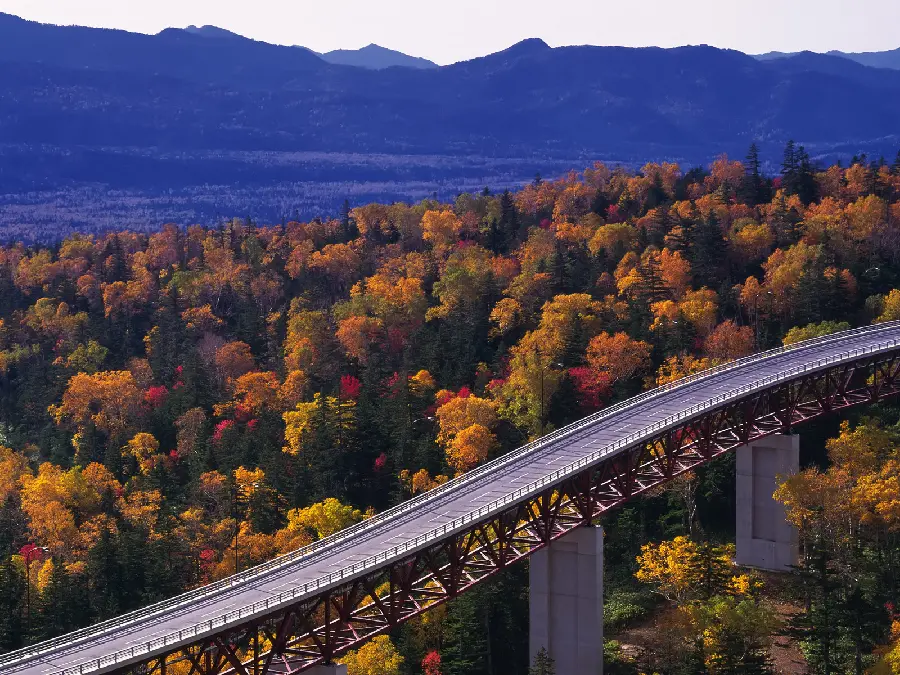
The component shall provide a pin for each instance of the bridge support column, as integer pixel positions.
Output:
(566, 602)
(765, 539)
(330, 669)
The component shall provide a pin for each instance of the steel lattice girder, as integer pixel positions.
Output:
(319, 629)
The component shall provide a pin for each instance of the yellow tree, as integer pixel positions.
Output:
(890, 307)
(465, 424)
(324, 518)
(13, 467)
(441, 229)
(144, 448)
(813, 330)
(334, 414)
(700, 308)
(376, 657)
(671, 567)
(682, 570)
(618, 356)
(470, 447)
(676, 367)
(110, 400)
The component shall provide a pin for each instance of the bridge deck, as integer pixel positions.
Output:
(432, 512)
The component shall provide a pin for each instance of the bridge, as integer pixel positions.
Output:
(306, 608)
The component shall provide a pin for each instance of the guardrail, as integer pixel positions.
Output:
(333, 578)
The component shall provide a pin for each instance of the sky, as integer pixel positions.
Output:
(456, 30)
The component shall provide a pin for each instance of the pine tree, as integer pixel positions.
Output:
(600, 204)
(754, 190)
(12, 602)
(349, 230)
(806, 178)
(895, 167)
(656, 195)
(706, 244)
(543, 664)
(509, 219)
(651, 286)
(784, 223)
(103, 578)
(62, 606)
(495, 237)
(790, 168)
(467, 644)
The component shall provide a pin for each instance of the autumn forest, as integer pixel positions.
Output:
(178, 406)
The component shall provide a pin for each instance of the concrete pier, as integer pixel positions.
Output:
(566, 602)
(764, 538)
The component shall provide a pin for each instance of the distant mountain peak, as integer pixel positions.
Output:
(528, 45)
(212, 32)
(376, 57)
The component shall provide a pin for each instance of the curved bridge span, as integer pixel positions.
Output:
(307, 607)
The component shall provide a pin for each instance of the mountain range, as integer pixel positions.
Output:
(373, 57)
(885, 59)
(178, 109)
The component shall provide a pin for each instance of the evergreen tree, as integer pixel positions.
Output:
(543, 664)
(509, 219)
(651, 286)
(486, 628)
(817, 626)
(784, 223)
(467, 651)
(895, 167)
(656, 195)
(706, 248)
(62, 607)
(103, 577)
(754, 190)
(790, 168)
(600, 204)
(806, 178)
(12, 602)
(349, 230)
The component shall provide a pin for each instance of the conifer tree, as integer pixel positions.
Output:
(543, 664)
(61, 607)
(12, 600)
(790, 168)
(509, 219)
(706, 242)
(754, 190)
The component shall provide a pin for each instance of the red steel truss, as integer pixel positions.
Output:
(320, 629)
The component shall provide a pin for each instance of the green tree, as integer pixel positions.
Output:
(62, 606)
(12, 601)
(754, 190)
(543, 664)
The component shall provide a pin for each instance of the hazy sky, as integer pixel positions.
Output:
(462, 29)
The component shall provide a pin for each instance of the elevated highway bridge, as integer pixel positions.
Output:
(308, 607)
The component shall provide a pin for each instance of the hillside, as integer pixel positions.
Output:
(179, 406)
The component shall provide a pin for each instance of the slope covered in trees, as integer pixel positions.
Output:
(180, 405)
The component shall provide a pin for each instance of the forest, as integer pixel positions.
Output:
(180, 405)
